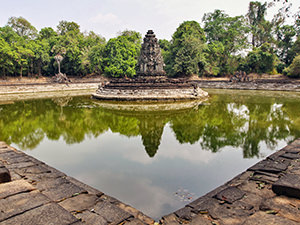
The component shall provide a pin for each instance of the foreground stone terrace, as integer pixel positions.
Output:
(40, 194)
(267, 193)
(32, 192)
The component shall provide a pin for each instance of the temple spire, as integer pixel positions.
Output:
(150, 62)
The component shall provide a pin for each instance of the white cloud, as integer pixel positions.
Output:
(108, 18)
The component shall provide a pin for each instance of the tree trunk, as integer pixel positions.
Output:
(21, 71)
(32, 68)
(39, 68)
(253, 41)
(58, 67)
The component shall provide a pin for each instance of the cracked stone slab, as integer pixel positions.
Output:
(14, 187)
(282, 206)
(21, 203)
(135, 222)
(200, 219)
(184, 213)
(46, 184)
(36, 169)
(288, 185)
(136, 213)
(291, 156)
(230, 194)
(18, 160)
(79, 203)
(63, 191)
(20, 165)
(203, 204)
(292, 150)
(48, 214)
(111, 213)
(170, 219)
(88, 188)
(229, 214)
(91, 218)
(270, 166)
(10, 154)
(262, 218)
(264, 178)
(253, 187)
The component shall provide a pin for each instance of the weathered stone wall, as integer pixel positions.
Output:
(271, 85)
(124, 94)
(36, 88)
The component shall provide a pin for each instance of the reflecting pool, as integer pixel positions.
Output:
(155, 158)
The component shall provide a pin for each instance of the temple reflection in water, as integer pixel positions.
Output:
(241, 121)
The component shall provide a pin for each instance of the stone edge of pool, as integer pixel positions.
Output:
(35, 193)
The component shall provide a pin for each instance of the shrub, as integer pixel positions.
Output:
(294, 69)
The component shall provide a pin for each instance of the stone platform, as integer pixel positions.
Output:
(149, 89)
(32, 192)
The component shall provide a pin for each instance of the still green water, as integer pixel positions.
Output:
(144, 157)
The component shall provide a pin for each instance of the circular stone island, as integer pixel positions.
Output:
(149, 89)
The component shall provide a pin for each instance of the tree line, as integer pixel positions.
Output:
(219, 46)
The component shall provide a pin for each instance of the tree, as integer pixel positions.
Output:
(261, 60)
(296, 46)
(92, 56)
(120, 56)
(132, 36)
(47, 33)
(226, 37)
(297, 22)
(95, 56)
(186, 55)
(7, 56)
(260, 27)
(24, 54)
(285, 36)
(294, 69)
(22, 27)
(65, 27)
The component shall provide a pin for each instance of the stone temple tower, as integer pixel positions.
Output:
(150, 62)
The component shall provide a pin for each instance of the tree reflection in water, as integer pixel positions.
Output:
(242, 121)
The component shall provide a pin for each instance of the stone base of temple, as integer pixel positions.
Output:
(126, 108)
(149, 89)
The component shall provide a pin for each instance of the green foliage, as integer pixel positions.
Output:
(226, 36)
(295, 49)
(260, 28)
(297, 22)
(214, 50)
(186, 54)
(165, 48)
(285, 36)
(294, 69)
(65, 27)
(22, 27)
(120, 55)
(261, 60)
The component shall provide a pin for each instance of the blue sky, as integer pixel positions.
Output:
(108, 17)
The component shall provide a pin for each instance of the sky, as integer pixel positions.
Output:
(108, 17)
